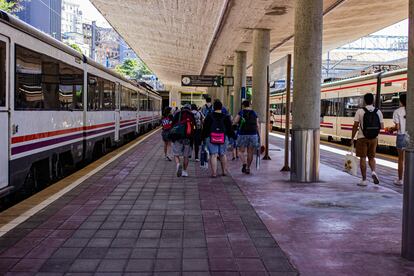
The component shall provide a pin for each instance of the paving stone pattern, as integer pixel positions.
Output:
(136, 218)
(333, 160)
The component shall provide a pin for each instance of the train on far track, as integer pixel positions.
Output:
(341, 99)
(59, 109)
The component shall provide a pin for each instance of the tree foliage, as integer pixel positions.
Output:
(12, 6)
(76, 47)
(133, 69)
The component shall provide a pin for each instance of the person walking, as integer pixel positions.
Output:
(368, 123)
(166, 123)
(207, 108)
(248, 139)
(399, 119)
(198, 117)
(216, 132)
(182, 134)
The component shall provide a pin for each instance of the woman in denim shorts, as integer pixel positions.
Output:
(248, 139)
(216, 132)
(399, 119)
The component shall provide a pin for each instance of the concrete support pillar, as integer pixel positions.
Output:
(228, 72)
(408, 197)
(261, 55)
(307, 86)
(239, 79)
(220, 94)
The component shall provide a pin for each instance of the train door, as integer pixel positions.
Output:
(4, 112)
(117, 110)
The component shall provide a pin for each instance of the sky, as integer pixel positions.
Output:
(91, 13)
(399, 29)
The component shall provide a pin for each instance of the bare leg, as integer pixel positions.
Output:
(242, 156)
(372, 164)
(223, 161)
(177, 160)
(250, 151)
(213, 164)
(185, 163)
(363, 166)
(401, 155)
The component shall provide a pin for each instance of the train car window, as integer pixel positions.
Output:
(331, 107)
(351, 105)
(125, 98)
(93, 93)
(50, 84)
(71, 87)
(44, 83)
(134, 100)
(29, 93)
(2, 73)
(108, 96)
(389, 103)
(150, 104)
(143, 106)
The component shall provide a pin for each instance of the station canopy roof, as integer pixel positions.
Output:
(176, 37)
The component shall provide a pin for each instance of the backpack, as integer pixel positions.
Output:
(372, 125)
(217, 130)
(207, 110)
(248, 123)
(198, 121)
(182, 129)
(166, 123)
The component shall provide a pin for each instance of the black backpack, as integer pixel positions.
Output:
(217, 124)
(372, 125)
(249, 122)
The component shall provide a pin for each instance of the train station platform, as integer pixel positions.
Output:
(134, 216)
(129, 214)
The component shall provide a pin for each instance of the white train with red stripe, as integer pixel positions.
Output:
(341, 99)
(60, 109)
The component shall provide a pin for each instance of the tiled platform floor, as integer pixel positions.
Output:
(135, 217)
(333, 227)
(387, 175)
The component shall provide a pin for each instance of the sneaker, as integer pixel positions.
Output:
(179, 170)
(244, 168)
(168, 158)
(375, 178)
(184, 174)
(197, 160)
(362, 183)
(247, 170)
(398, 182)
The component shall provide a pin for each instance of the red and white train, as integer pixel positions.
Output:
(341, 99)
(59, 108)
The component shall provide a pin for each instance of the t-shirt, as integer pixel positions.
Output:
(166, 122)
(206, 109)
(198, 117)
(399, 117)
(359, 117)
(242, 131)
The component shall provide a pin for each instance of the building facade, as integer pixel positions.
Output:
(44, 15)
(71, 17)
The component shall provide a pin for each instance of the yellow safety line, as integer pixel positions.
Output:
(20, 212)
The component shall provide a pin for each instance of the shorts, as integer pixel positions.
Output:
(166, 135)
(216, 148)
(248, 141)
(401, 141)
(366, 147)
(182, 148)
